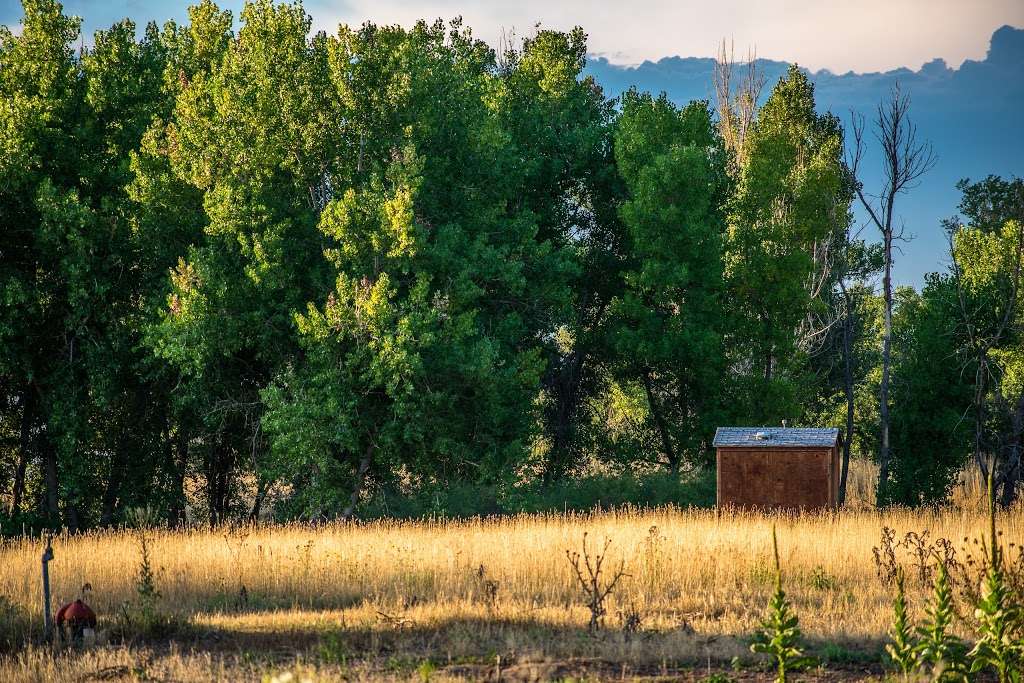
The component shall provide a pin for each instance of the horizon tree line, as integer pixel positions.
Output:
(255, 262)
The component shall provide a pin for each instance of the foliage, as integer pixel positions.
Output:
(999, 614)
(929, 397)
(903, 648)
(938, 650)
(667, 323)
(791, 203)
(257, 271)
(582, 493)
(779, 636)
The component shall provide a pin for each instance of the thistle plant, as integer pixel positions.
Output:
(903, 648)
(779, 636)
(938, 648)
(998, 614)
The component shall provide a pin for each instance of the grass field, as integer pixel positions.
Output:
(474, 599)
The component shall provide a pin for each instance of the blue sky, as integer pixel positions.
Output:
(835, 34)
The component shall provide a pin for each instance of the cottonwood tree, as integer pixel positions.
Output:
(986, 269)
(71, 315)
(41, 94)
(422, 361)
(561, 125)
(785, 218)
(932, 383)
(249, 135)
(668, 324)
(904, 159)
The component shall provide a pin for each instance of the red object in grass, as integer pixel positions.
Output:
(76, 613)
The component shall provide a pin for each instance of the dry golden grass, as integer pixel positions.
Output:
(369, 595)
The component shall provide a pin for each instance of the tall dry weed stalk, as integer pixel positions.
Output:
(595, 588)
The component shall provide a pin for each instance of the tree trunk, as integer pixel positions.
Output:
(883, 404)
(659, 420)
(1010, 472)
(219, 481)
(566, 389)
(72, 519)
(357, 487)
(567, 399)
(848, 387)
(25, 444)
(113, 487)
(177, 457)
(50, 479)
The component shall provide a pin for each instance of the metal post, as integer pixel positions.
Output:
(47, 619)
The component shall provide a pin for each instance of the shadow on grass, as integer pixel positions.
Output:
(519, 649)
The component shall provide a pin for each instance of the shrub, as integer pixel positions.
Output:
(146, 617)
(903, 648)
(595, 590)
(15, 626)
(780, 636)
(599, 491)
(938, 647)
(998, 614)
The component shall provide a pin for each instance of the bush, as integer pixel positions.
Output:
(579, 494)
(146, 617)
(15, 626)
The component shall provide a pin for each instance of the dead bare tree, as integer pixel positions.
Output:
(904, 161)
(737, 108)
(856, 262)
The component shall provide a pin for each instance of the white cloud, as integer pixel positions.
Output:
(841, 35)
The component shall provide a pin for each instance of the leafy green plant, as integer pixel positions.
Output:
(146, 616)
(145, 580)
(903, 648)
(780, 636)
(335, 649)
(938, 648)
(837, 653)
(426, 670)
(823, 581)
(718, 677)
(998, 614)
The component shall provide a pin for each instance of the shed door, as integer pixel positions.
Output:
(768, 477)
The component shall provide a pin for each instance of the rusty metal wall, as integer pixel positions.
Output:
(777, 477)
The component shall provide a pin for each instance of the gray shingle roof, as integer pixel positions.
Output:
(768, 437)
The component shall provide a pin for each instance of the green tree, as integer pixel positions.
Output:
(790, 207)
(986, 269)
(424, 345)
(561, 128)
(70, 313)
(931, 393)
(667, 333)
(256, 137)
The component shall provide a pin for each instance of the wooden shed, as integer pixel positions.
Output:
(777, 467)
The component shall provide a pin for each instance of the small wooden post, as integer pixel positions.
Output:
(47, 619)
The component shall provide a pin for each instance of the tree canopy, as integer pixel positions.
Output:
(250, 270)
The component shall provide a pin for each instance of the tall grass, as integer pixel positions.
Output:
(374, 593)
(711, 568)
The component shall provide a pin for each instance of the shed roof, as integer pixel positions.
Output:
(772, 437)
